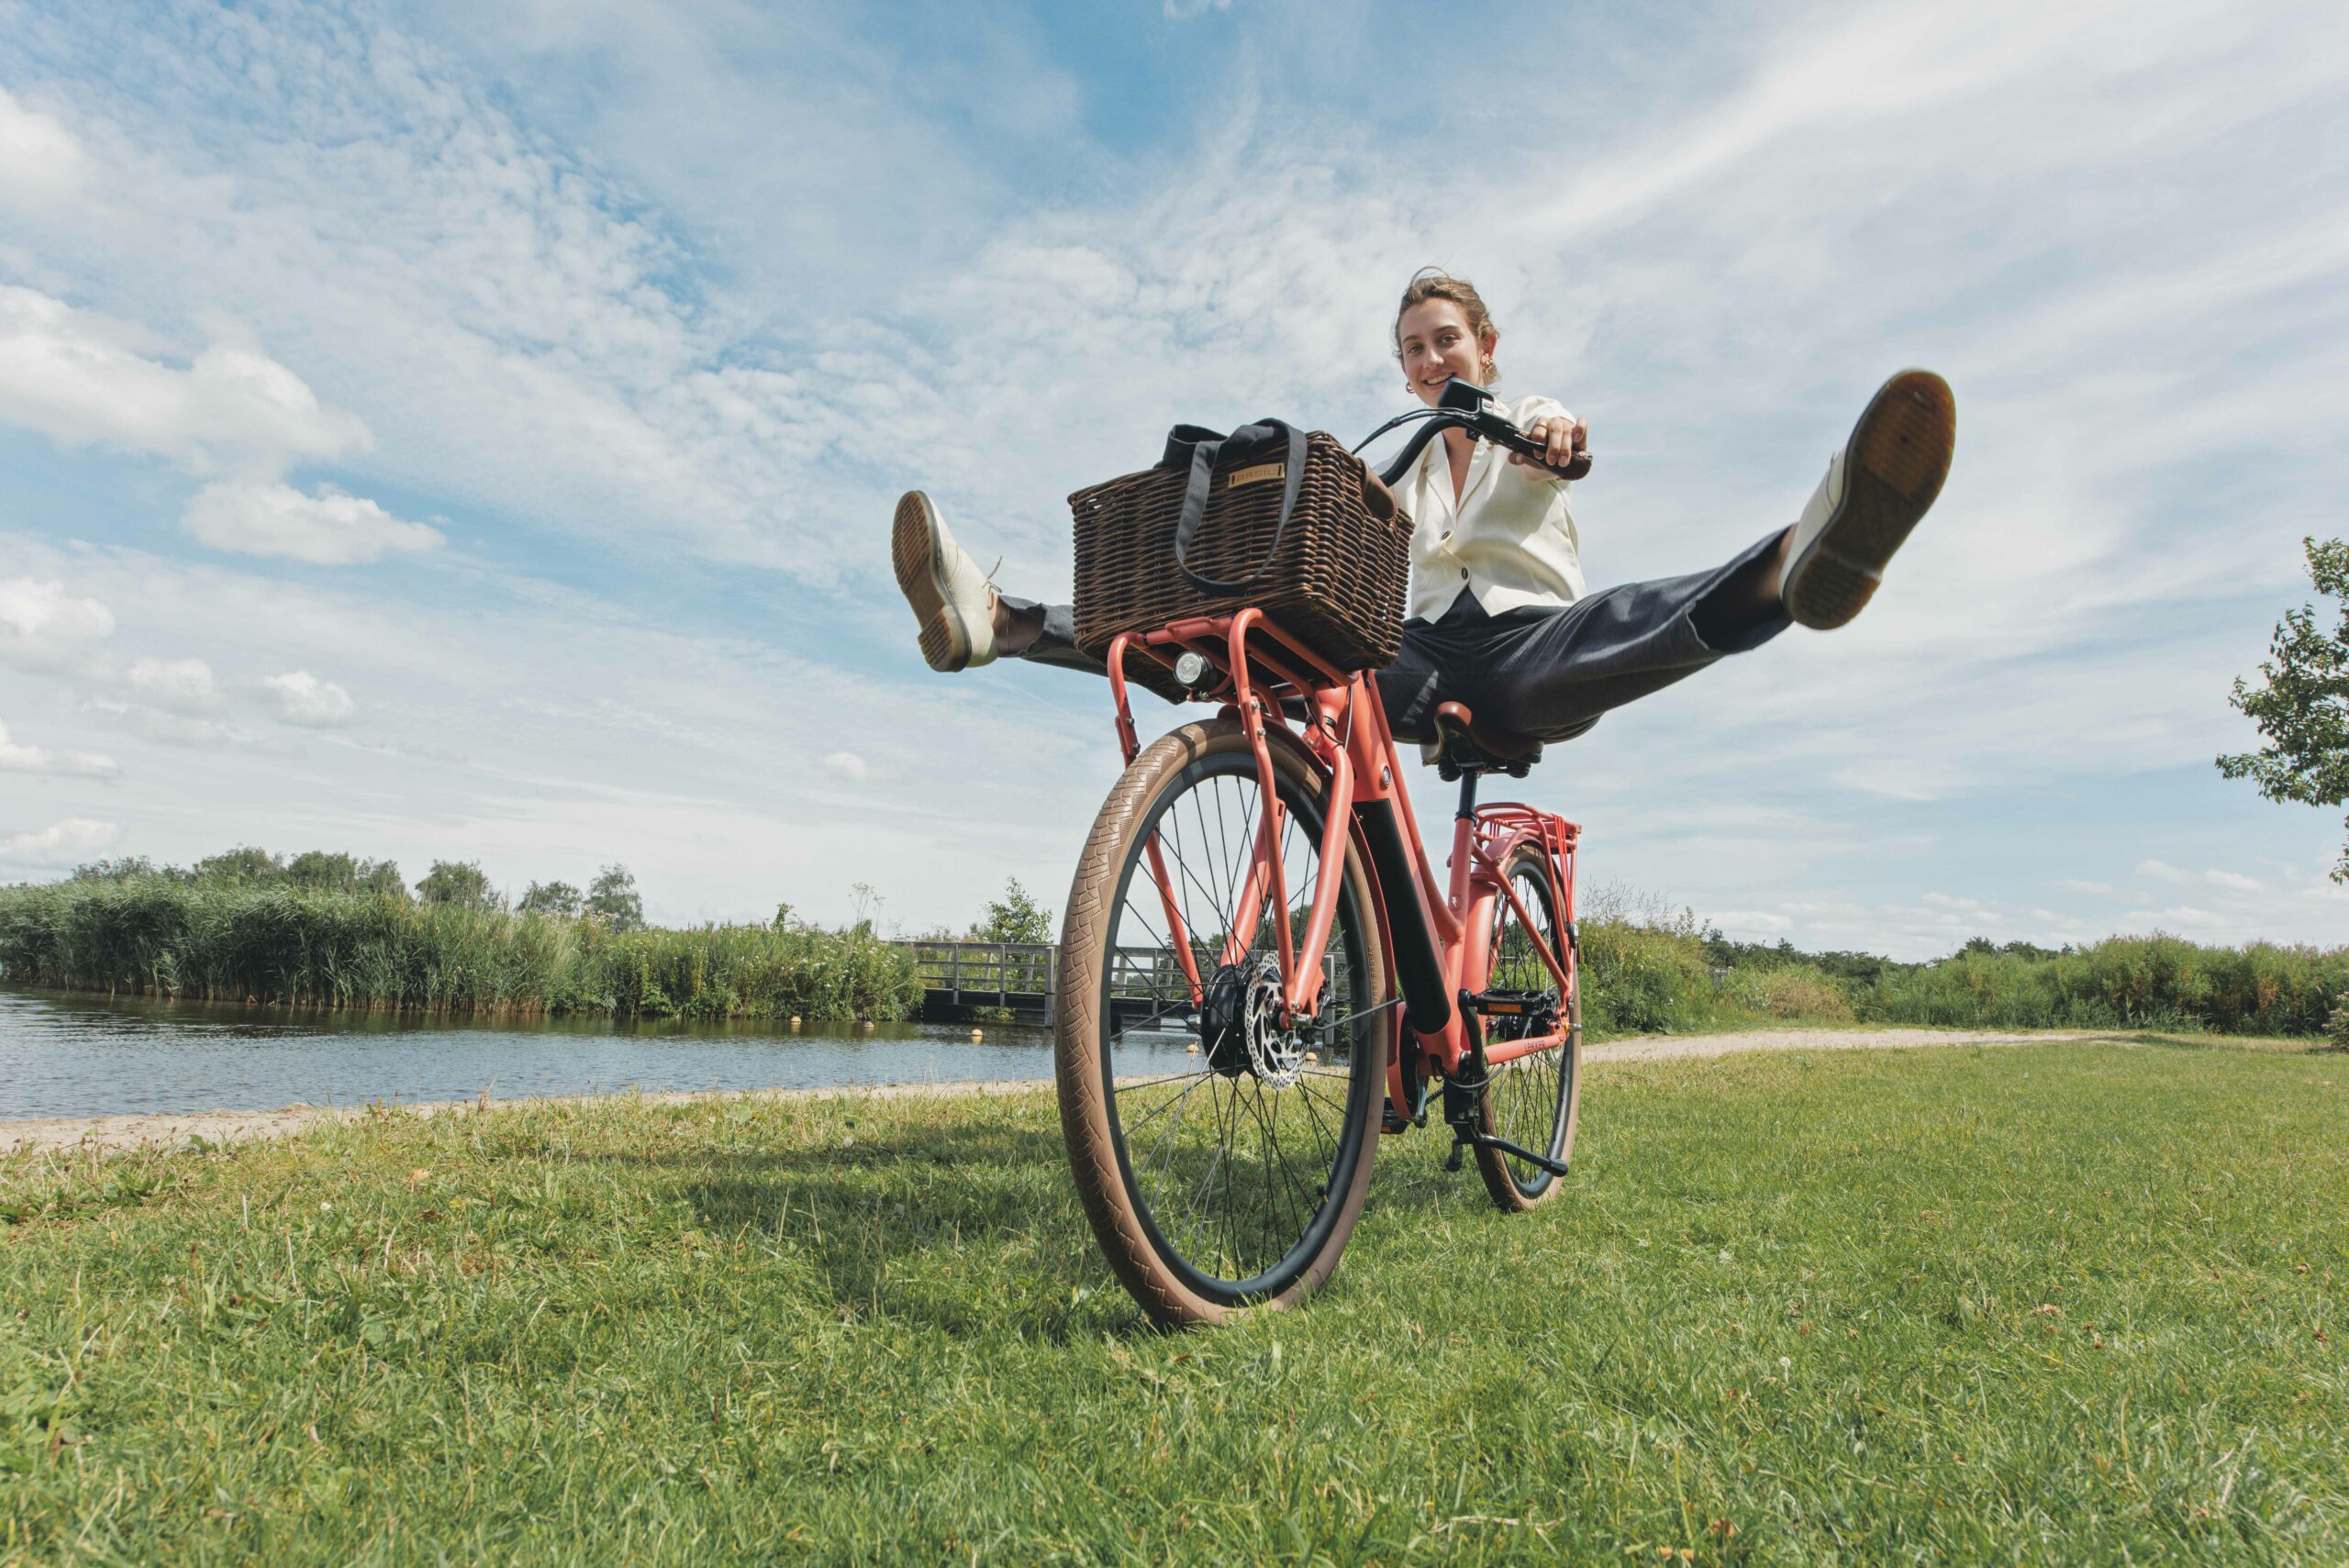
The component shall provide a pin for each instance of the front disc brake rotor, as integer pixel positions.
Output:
(1274, 1054)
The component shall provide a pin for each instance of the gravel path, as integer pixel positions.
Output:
(111, 1132)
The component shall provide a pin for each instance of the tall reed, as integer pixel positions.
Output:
(218, 941)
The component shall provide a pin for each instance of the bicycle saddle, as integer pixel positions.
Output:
(1464, 746)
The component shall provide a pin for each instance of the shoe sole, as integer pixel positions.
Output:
(1898, 456)
(913, 550)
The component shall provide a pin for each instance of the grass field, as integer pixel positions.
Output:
(2048, 1303)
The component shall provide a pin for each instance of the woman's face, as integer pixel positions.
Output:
(1437, 345)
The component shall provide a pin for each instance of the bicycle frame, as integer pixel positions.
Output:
(1436, 939)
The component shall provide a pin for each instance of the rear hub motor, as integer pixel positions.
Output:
(1240, 1026)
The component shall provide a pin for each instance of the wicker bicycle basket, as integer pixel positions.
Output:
(1337, 583)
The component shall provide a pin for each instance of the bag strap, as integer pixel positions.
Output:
(1206, 447)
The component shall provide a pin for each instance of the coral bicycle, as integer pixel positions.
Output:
(1261, 974)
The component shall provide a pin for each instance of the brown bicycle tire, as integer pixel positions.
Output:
(1118, 1222)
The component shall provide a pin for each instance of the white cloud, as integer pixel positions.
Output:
(2074, 884)
(39, 158)
(1184, 10)
(166, 728)
(42, 760)
(183, 685)
(82, 379)
(42, 627)
(329, 529)
(302, 699)
(846, 765)
(2233, 881)
(60, 843)
(1741, 922)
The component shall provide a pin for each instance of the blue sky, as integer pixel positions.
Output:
(458, 434)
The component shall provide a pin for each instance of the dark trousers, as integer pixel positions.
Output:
(1547, 672)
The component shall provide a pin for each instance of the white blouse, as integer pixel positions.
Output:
(1509, 539)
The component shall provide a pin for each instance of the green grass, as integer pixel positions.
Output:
(2059, 1303)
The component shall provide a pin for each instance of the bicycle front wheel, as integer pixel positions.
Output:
(1222, 1152)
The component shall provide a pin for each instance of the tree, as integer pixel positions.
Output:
(1014, 917)
(334, 871)
(558, 898)
(127, 868)
(246, 863)
(2303, 710)
(612, 899)
(327, 871)
(461, 883)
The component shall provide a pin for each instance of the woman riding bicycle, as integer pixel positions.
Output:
(1500, 619)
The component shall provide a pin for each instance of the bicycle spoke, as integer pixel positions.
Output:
(1234, 1162)
(1527, 1101)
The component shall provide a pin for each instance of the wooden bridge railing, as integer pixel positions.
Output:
(1022, 975)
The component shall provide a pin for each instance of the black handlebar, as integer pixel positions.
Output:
(1465, 405)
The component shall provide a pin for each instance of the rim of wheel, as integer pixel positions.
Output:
(1527, 1097)
(1236, 1160)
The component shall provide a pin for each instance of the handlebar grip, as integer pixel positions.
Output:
(1516, 440)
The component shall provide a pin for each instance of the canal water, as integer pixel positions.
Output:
(68, 1056)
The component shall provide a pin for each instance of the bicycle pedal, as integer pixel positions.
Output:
(1452, 1162)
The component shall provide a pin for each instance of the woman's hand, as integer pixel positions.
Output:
(1567, 443)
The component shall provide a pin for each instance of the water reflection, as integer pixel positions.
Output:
(89, 1056)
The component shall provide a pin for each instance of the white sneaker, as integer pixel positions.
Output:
(1875, 490)
(944, 586)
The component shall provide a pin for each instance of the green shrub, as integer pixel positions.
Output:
(1641, 979)
(1790, 993)
(2121, 983)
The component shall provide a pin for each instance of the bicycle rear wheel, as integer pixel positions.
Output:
(1222, 1158)
(1532, 1101)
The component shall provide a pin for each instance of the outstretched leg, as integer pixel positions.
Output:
(1551, 676)
(965, 621)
